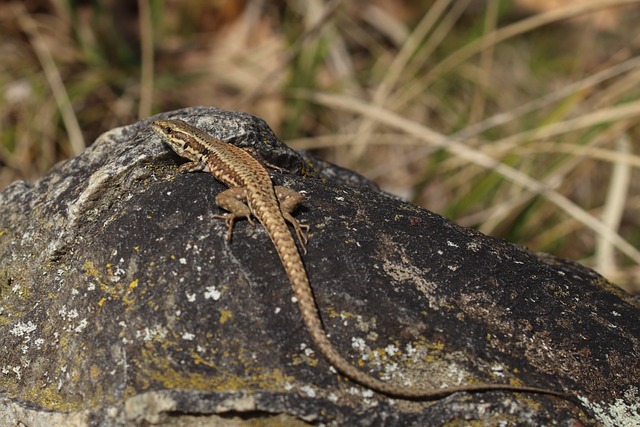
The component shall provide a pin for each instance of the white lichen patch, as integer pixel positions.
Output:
(620, 413)
(308, 390)
(366, 394)
(359, 344)
(410, 350)
(391, 350)
(390, 370)
(474, 246)
(212, 293)
(149, 334)
(21, 329)
(68, 314)
(193, 248)
(498, 370)
(118, 272)
(81, 326)
(16, 370)
(457, 375)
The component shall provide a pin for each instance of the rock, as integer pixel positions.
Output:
(123, 304)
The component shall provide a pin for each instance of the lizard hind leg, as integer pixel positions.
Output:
(233, 201)
(289, 200)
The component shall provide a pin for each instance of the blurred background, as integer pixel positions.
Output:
(519, 118)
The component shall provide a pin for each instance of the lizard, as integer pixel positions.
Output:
(252, 193)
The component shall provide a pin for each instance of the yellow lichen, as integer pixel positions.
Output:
(95, 372)
(171, 376)
(225, 315)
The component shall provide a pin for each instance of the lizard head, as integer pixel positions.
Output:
(180, 136)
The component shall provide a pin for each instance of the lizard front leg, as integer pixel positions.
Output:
(193, 167)
(234, 201)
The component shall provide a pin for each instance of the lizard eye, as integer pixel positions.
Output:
(168, 130)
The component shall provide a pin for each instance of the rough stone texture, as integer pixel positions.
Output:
(122, 304)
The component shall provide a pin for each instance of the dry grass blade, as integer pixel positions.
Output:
(617, 157)
(328, 11)
(502, 34)
(606, 115)
(400, 62)
(29, 26)
(479, 158)
(476, 111)
(146, 69)
(566, 91)
(614, 208)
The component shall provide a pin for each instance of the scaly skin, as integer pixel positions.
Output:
(251, 192)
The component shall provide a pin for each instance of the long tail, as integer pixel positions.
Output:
(294, 267)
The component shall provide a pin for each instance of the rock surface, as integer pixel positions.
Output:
(121, 303)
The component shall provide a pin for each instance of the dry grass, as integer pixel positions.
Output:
(523, 126)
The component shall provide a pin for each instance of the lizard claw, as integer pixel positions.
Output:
(302, 235)
(229, 219)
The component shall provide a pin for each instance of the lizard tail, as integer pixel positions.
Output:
(294, 267)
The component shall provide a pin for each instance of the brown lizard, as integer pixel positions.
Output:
(252, 193)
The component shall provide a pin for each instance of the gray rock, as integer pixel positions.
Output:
(121, 303)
